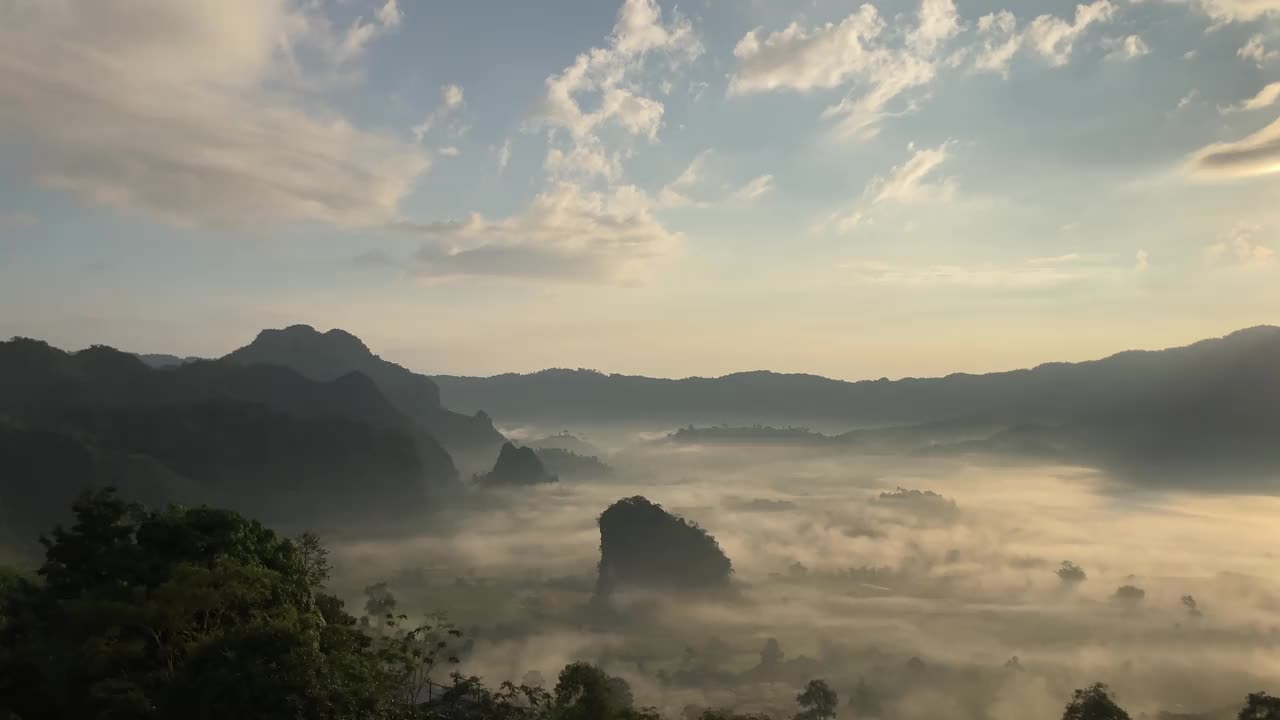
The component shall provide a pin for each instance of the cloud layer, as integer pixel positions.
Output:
(193, 113)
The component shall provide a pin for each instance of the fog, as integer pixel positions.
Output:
(920, 578)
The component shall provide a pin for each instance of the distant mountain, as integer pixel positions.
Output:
(264, 439)
(330, 355)
(160, 360)
(572, 466)
(517, 466)
(1180, 414)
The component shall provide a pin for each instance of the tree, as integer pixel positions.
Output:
(865, 701)
(771, 654)
(585, 692)
(1071, 573)
(817, 702)
(193, 613)
(1093, 703)
(1260, 706)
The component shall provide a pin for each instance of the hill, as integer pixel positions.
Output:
(327, 356)
(1165, 415)
(264, 439)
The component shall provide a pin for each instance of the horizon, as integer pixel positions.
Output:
(911, 188)
(606, 372)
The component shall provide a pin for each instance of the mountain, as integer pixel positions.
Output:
(642, 546)
(517, 466)
(327, 356)
(264, 439)
(1176, 414)
(161, 360)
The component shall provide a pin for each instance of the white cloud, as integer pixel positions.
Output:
(450, 151)
(1000, 42)
(361, 32)
(1265, 98)
(1255, 49)
(1256, 154)
(566, 233)
(1130, 47)
(755, 188)
(1187, 99)
(884, 61)
(857, 51)
(503, 152)
(908, 182)
(1240, 247)
(1055, 38)
(584, 161)
(1226, 11)
(798, 59)
(1051, 37)
(912, 182)
(191, 112)
(451, 101)
(675, 193)
(1141, 260)
(612, 74)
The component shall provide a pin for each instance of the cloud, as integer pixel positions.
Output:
(361, 33)
(856, 51)
(1255, 49)
(1187, 99)
(1141, 260)
(1055, 38)
(13, 220)
(676, 192)
(1240, 247)
(755, 188)
(1256, 154)
(1049, 36)
(449, 151)
(1000, 41)
(611, 74)
(566, 233)
(451, 101)
(1265, 98)
(191, 113)
(907, 182)
(883, 61)
(1130, 47)
(503, 152)
(1025, 276)
(1227, 11)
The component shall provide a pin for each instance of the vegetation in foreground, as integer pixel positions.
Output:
(202, 613)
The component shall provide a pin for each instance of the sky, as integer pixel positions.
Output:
(854, 190)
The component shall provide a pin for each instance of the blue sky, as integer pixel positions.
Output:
(856, 190)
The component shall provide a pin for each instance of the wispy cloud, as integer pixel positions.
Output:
(1256, 154)
(755, 188)
(113, 98)
(1241, 247)
(1265, 98)
(451, 101)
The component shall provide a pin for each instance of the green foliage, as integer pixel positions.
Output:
(1093, 703)
(817, 702)
(1260, 706)
(191, 613)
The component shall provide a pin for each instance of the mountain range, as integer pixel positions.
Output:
(311, 428)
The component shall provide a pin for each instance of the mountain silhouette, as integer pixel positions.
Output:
(642, 546)
(327, 356)
(517, 466)
(260, 438)
(1179, 415)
